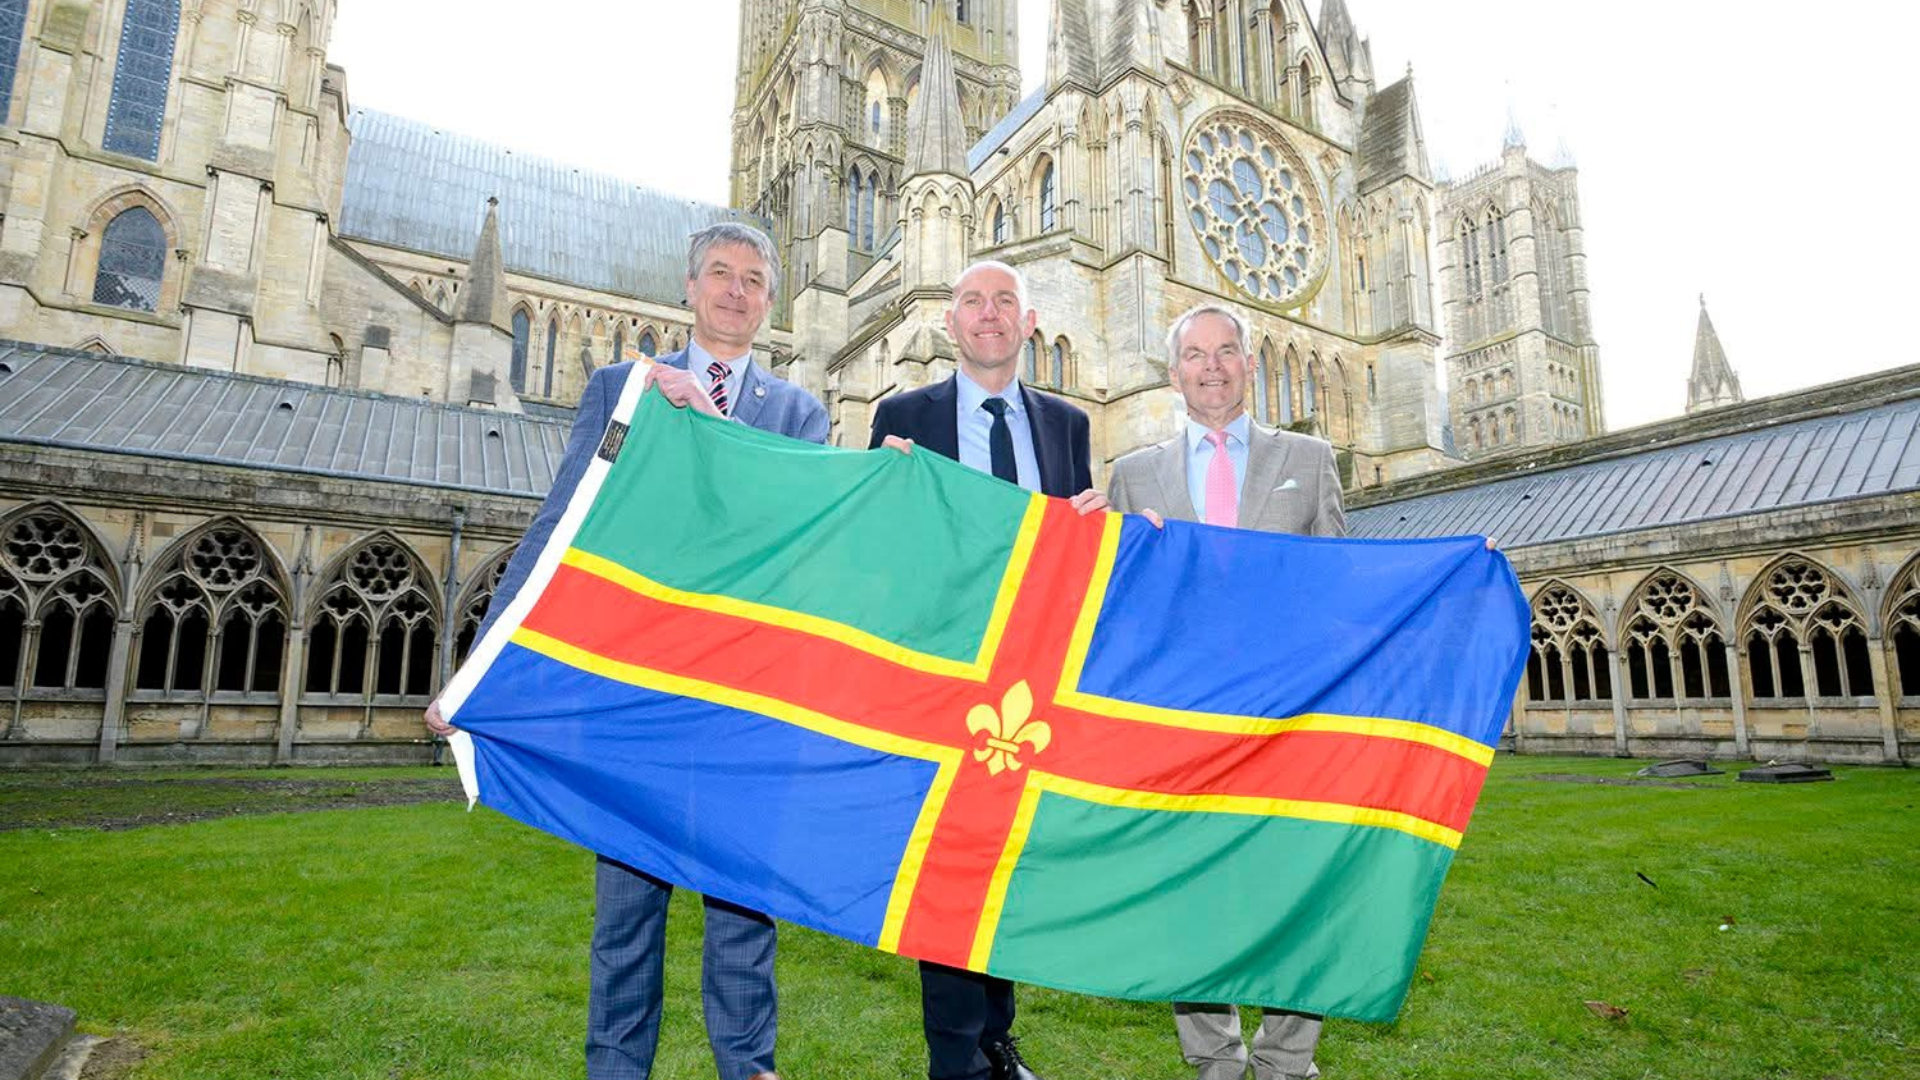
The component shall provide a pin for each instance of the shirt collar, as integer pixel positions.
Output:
(1237, 432)
(698, 359)
(972, 394)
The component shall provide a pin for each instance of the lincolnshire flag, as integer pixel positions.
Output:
(900, 701)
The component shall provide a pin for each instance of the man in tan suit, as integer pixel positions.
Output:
(1223, 470)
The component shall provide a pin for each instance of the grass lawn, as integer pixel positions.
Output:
(421, 941)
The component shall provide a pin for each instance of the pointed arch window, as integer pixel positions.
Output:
(960, 10)
(1049, 210)
(1569, 657)
(869, 197)
(647, 346)
(51, 574)
(374, 629)
(553, 350)
(522, 335)
(853, 207)
(1057, 369)
(1674, 648)
(473, 608)
(1286, 387)
(1497, 245)
(1805, 634)
(1030, 360)
(1310, 403)
(142, 72)
(1903, 630)
(1262, 399)
(216, 623)
(13, 21)
(133, 260)
(999, 224)
(619, 345)
(1470, 257)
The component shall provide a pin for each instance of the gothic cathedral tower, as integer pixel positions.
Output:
(1522, 366)
(820, 132)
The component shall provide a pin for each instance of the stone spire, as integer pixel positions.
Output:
(1133, 38)
(1070, 44)
(1342, 42)
(1515, 138)
(936, 137)
(485, 298)
(1713, 383)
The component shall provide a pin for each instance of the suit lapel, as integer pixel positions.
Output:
(940, 424)
(1045, 446)
(753, 395)
(1266, 467)
(1170, 471)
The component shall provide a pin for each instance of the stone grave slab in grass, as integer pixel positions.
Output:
(1794, 773)
(1680, 767)
(31, 1034)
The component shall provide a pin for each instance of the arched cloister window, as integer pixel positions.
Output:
(52, 574)
(373, 629)
(474, 604)
(142, 72)
(1049, 210)
(1903, 629)
(216, 621)
(1569, 657)
(1673, 644)
(133, 260)
(1057, 368)
(1803, 623)
(647, 345)
(522, 334)
(1030, 360)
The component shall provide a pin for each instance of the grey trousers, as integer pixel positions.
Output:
(1282, 1048)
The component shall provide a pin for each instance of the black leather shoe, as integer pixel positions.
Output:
(1004, 1056)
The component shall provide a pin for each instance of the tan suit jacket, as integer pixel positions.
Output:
(1292, 485)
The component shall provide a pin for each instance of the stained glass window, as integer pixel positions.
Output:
(133, 258)
(13, 18)
(142, 72)
(1255, 215)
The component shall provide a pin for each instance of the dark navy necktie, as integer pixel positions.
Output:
(1000, 442)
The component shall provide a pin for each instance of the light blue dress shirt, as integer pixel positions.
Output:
(698, 360)
(1200, 456)
(976, 429)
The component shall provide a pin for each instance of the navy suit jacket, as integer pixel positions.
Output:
(928, 416)
(766, 402)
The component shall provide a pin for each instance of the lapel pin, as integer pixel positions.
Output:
(759, 391)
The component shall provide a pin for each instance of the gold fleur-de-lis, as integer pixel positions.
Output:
(1007, 729)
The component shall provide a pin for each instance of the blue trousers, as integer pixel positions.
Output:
(629, 944)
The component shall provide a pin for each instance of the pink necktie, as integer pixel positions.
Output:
(1223, 496)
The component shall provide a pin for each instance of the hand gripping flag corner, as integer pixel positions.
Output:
(893, 699)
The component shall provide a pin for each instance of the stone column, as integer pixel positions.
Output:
(1738, 673)
(1619, 703)
(1208, 46)
(1878, 653)
(292, 671)
(1263, 73)
(1808, 685)
(29, 645)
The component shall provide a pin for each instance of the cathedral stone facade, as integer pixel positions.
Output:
(284, 379)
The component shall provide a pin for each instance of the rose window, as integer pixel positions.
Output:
(1253, 205)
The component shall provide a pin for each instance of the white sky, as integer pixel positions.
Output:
(1726, 147)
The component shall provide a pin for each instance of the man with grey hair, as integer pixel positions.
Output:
(732, 273)
(1224, 470)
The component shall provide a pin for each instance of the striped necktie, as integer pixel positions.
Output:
(717, 385)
